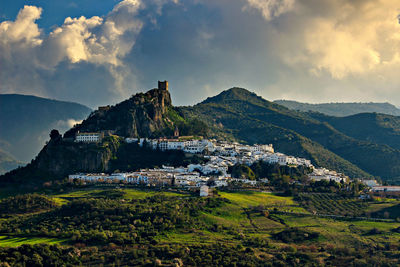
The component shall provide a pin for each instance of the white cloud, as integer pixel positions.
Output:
(29, 56)
(95, 40)
(348, 38)
(271, 8)
(66, 124)
(23, 29)
(314, 50)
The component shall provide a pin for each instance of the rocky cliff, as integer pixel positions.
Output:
(59, 158)
(142, 115)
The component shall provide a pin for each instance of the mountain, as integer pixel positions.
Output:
(371, 127)
(27, 120)
(235, 114)
(342, 109)
(148, 114)
(141, 115)
(252, 119)
(7, 162)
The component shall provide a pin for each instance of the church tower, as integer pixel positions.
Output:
(176, 132)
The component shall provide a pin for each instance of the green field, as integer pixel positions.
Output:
(12, 241)
(246, 199)
(129, 194)
(261, 223)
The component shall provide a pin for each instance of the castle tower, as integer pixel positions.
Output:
(176, 132)
(163, 85)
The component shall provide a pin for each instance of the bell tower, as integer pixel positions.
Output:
(176, 132)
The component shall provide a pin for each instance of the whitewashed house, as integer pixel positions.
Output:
(204, 191)
(88, 137)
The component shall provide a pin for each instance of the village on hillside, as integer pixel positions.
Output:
(220, 155)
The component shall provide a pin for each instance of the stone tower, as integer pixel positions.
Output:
(176, 132)
(163, 85)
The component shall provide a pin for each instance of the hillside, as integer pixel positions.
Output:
(27, 120)
(235, 114)
(250, 118)
(372, 127)
(341, 109)
(148, 114)
(102, 226)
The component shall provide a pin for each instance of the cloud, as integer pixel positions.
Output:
(351, 38)
(104, 42)
(23, 29)
(310, 50)
(94, 40)
(64, 125)
(271, 8)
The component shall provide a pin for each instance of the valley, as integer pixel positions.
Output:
(259, 227)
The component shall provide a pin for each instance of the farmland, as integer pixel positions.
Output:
(265, 223)
(325, 203)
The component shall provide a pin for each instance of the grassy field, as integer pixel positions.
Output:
(140, 194)
(246, 199)
(240, 216)
(324, 203)
(129, 194)
(345, 232)
(11, 241)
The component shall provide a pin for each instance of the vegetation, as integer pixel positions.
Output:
(330, 203)
(25, 204)
(242, 171)
(100, 221)
(372, 127)
(247, 117)
(135, 227)
(295, 235)
(25, 121)
(133, 157)
(278, 176)
(60, 158)
(341, 109)
(235, 114)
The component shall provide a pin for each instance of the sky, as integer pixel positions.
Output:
(101, 52)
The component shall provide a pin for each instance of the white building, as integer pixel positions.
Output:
(245, 181)
(386, 189)
(221, 182)
(175, 144)
(131, 140)
(370, 182)
(325, 174)
(282, 159)
(209, 168)
(262, 148)
(305, 162)
(88, 137)
(204, 191)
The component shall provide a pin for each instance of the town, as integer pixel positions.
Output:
(220, 155)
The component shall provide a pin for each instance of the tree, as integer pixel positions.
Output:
(54, 134)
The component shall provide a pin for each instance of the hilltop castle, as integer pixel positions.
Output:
(163, 85)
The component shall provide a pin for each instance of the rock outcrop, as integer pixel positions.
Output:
(60, 158)
(142, 115)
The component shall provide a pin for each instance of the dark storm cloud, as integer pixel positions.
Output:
(331, 50)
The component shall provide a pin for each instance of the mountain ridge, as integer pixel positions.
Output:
(235, 114)
(358, 152)
(342, 109)
(147, 114)
(26, 121)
